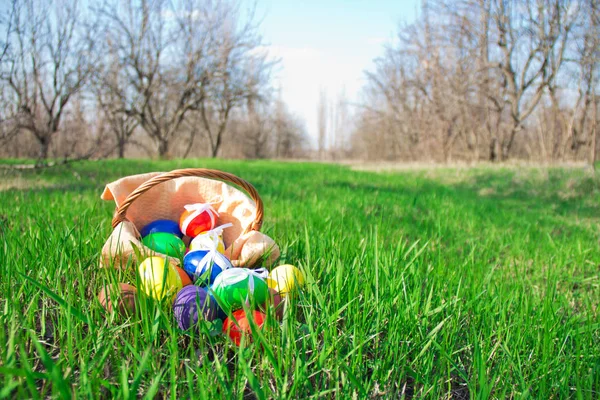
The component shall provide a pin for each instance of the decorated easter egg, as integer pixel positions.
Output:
(238, 325)
(276, 301)
(235, 286)
(185, 278)
(162, 226)
(192, 304)
(160, 279)
(204, 266)
(165, 243)
(119, 297)
(210, 240)
(197, 218)
(287, 278)
(271, 283)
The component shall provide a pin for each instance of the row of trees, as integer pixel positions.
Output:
(470, 79)
(190, 75)
(487, 80)
(334, 123)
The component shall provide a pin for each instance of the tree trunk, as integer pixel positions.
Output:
(163, 149)
(507, 144)
(594, 132)
(505, 151)
(215, 150)
(494, 150)
(475, 147)
(592, 158)
(121, 148)
(44, 148)
(190, 143)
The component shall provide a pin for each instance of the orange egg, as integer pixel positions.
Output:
(185, 278)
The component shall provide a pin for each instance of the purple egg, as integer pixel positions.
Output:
(163, 226)
(189, 301)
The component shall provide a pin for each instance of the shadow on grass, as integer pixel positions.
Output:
(557, 193)
(545, 197)
(502, 198)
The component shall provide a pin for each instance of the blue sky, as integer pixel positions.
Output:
(327, 44)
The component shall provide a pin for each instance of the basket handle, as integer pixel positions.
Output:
(120, 213)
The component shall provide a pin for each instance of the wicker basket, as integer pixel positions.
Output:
(143, 198)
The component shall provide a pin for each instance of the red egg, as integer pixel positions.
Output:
(197, 218)
(239, 326)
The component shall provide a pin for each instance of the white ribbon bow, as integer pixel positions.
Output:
(235, 275)
(196, 210)
(261, 273)
(219, 229)
(213, 235)
(210, 258)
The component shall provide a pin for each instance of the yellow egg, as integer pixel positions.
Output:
(287, 278)
(154, 282)
(271, 283)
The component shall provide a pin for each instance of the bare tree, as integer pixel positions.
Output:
(240, 73)
(537, 33)
(258, 131)
(182, 57)
(590, 64)
(161, 51)
(289, 131)
(341, 125)
(394, 97)
(270, 130)
(464, 79)
(108, 88)
(48, 61)
(6, 108)
(6, 22)
(322, 123)
(279, 127)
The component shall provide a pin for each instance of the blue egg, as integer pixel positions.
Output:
(162, 226)
(205, 271)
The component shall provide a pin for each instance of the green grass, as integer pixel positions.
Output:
(446, 283)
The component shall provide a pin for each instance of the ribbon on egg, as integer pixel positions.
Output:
(242, 273)
(261, 273)
(197, 209)
(219, 229)
(213, 234)
(210, 258)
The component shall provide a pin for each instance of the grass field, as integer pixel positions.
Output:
(429, 283)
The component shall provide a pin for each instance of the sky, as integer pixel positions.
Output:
(327, 44)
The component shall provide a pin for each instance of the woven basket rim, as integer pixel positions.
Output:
(212, 174)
